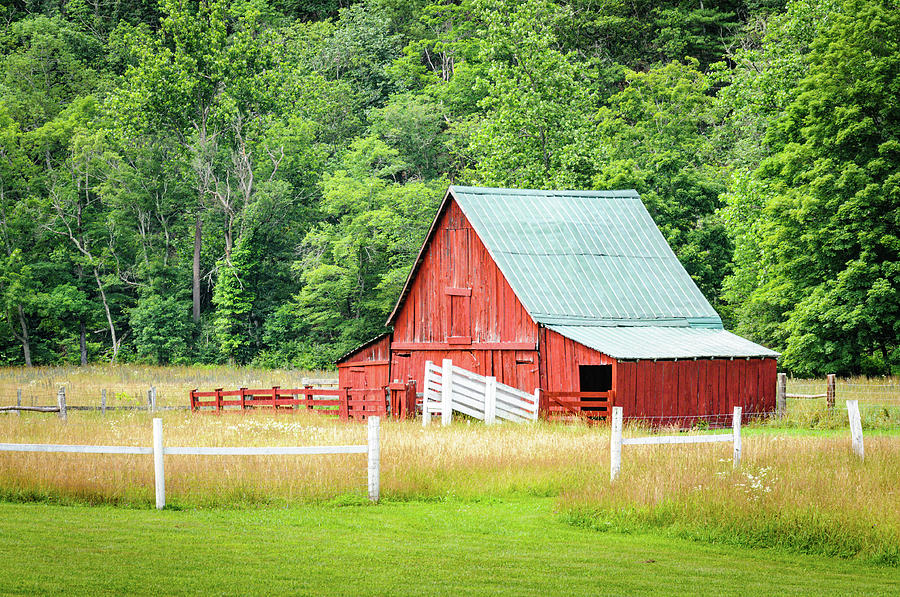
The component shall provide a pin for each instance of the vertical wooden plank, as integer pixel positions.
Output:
(856, 436)
(670, 400)
(344, 406)
(374, 458)
(61, 402)
(736, 430)
(615, 443)
(158, 464)
(829, 391)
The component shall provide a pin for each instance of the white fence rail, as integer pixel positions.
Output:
(450, 388)
(372, 448)
(617, 441)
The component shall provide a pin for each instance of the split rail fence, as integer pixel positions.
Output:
(372, 449)
(450, 388)
(62, 407)
(617, 441)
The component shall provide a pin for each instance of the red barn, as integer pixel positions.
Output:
(566, 291)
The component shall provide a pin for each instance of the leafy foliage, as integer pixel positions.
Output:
(272, 165)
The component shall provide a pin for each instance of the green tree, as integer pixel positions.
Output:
(655, 136)
(831, 247)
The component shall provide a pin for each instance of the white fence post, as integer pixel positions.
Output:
(426, 414)
(856, 436)
(736, 427)
(158, 467)
(374, 454)
(61, 402)
(537, 403)
(615, 443)
(490, 401)
(447, 392)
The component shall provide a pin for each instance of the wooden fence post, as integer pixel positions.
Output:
(218, 400)
(736, 430)
(856, 436)
(153, 398)
(19, 401)
(429, 380)
(275, 399)
(374, 458)
(243, 399)
(344, 406)
(447, 392)
(615, 443)
(829, 391)
(159, 474)
(61, 402)
(490, 401)
(103, 401)
(781, 396)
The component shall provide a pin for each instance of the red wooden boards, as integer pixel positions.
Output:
(666, 390)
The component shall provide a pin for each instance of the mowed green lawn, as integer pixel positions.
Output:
(514, 547)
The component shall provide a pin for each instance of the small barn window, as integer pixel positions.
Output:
(595, 378)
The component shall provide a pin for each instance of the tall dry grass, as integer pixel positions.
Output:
(127, 385)
(808, 494)
(469, 461)
(805, 493)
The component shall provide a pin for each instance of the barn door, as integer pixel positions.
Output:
(459, 289)
(358, 378)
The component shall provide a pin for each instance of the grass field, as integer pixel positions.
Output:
(493, 547)
(127, 385)
(455, 497)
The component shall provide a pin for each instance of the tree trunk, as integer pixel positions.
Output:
(112, 327)
(197, 245)
(26, 343)
(83, 346)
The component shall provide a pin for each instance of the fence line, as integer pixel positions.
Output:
(617, 441)
(372, 448)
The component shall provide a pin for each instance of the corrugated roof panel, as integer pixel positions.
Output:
(654, 342)
(577, 256)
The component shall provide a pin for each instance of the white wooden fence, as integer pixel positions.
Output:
(449, 388)
(372, 448)
(616, 440)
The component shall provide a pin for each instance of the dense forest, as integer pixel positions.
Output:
(248, 181)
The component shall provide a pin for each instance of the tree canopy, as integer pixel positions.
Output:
(249, 180)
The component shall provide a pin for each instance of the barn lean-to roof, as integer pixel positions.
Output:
(594, 267)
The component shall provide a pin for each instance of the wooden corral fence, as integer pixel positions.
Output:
(781, 394)
(592, 406)
(396, 400)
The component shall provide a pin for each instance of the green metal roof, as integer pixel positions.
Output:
(585, 257)
(594, 267)
(653, 342)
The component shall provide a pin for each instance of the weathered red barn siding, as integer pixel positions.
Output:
(460, 307)
(664, 388)
(368, 366)
(459, 297)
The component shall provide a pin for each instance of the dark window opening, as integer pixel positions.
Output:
(595, 378)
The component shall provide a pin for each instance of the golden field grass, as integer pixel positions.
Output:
(127, 385)
(803, 492)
